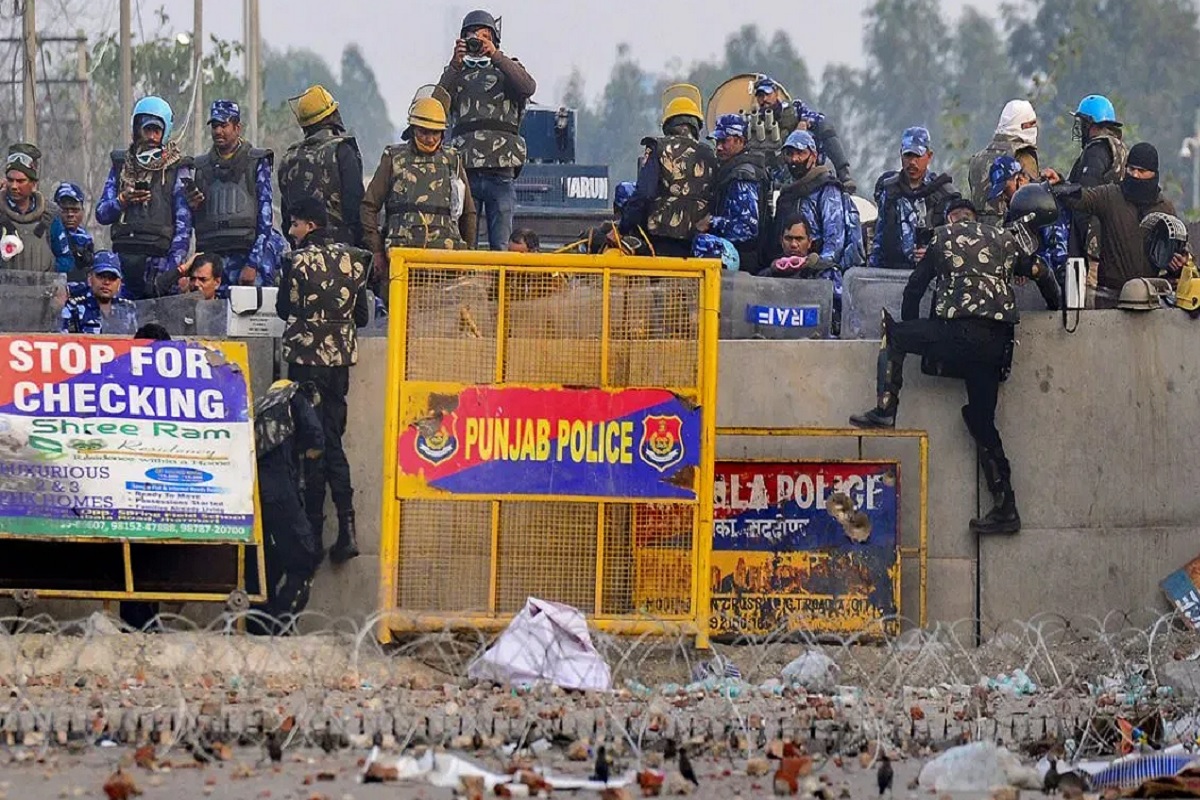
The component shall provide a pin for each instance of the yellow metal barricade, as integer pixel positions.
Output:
(550, 433)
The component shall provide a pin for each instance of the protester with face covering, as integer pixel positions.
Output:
(1016, 137)
(1120, 208)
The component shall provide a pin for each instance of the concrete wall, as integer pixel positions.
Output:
(1099, 426)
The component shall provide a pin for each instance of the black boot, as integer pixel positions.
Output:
(888, 381)
(1003, 518)
(346, 546)
(316, 524)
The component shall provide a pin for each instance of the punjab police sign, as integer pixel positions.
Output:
(804, 545)
(117, 438)
(641, 443)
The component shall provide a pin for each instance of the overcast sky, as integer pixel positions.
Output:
(408, 41)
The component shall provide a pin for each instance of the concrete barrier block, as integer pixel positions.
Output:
(775, 308)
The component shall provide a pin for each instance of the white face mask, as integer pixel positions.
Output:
(1019, 121)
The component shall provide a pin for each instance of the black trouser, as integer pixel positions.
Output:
(291, 553)
(333, 384)
(977, 350)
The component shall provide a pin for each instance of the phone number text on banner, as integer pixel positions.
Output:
(117, 438)
(642, 443)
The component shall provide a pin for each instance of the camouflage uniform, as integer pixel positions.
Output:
(486, 106)
(325, 164)
(416, 191)
(980, 165)
(323, 297)
(970, 335)
(674, 192)
(287, 434)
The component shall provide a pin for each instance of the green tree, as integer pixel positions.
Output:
(903, 83)
(747, 51)
(983, 80)
(1142, 55)
(363, 107)
(627, 112)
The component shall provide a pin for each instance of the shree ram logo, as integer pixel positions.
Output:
(662, 441)
(436, 439)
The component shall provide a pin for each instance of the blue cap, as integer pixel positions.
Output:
(68, 191)
(765, 85)
(1004, 169)
(107, 262)
(801, 140)
(224, 111)
(624, 192)
(729, 125)
(915, 140)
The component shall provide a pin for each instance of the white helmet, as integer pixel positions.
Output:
(1018, 120)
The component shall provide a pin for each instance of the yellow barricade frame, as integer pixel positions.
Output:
(504, 266)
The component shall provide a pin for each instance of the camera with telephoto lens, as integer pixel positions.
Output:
(474, 46)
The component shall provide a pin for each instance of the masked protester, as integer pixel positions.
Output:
(970, 335)
(145, 200)
(911, 203)
(27, 214)
(1118, 209)
(1016, 137)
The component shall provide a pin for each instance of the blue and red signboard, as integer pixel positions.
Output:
(804, 545)
(488, 440)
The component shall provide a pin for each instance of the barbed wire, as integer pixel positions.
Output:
(1031, 684)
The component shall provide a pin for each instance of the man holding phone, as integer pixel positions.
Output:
(911, 203)
(144, 200)
(230, 199)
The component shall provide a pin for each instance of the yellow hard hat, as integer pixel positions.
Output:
(425, 112)
(681, 107)
(313, 106)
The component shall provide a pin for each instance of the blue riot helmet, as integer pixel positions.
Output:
(1095, 109)
(154, 108)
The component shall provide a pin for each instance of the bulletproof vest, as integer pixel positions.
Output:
(34, 230)
(273, 423)
(147, 229)
(325, 280)
(487, 122)
(934, 195)
(979, 170)
(974, 273)
(418, 205)
(310, 169)
(745, 166)
(687, 170)
(228, 221)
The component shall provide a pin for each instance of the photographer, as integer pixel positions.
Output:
(488, 92)
(909, 201)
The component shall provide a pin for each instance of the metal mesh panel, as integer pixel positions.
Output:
(451, 325)
(445, 555)
(655, 328)
(547, 550)
(553, 326)
(662, 558)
